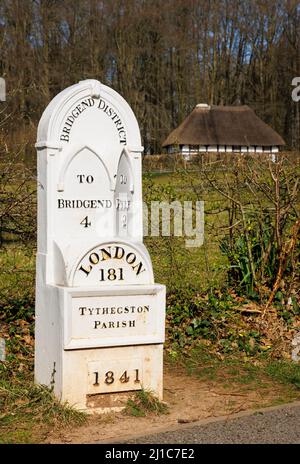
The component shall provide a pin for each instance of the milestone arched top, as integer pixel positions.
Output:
(56, 113)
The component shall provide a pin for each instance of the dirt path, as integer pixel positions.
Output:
(189, 399)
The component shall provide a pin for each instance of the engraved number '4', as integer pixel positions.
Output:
(124, 377)
(85, 222)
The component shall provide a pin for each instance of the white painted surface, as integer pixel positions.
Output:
(77, 366)
(203, 106)
(117, 375)
(186, 150)
(77, 169)
(113, 316)
(212, 148)
(131, 264)
(123, 198)
(90, 249)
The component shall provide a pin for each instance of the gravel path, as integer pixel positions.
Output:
(276, 425)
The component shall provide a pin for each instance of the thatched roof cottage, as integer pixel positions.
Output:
(223, 129)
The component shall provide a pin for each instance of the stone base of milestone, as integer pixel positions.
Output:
(96, 347)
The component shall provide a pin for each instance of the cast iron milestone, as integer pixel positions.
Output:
(99, 314)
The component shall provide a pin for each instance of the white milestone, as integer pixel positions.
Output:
(100, 318)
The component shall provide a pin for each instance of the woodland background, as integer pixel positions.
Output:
(163, 56)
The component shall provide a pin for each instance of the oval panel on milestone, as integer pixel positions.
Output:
(113, 264)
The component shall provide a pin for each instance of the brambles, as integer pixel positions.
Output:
(261, 226)
(17, 200)
(229, 325)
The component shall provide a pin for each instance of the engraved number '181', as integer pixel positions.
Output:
(111, 274)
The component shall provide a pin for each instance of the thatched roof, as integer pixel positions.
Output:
(223, 125)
